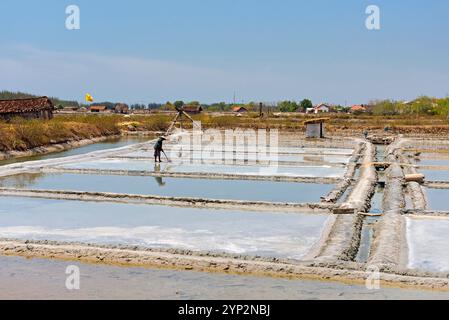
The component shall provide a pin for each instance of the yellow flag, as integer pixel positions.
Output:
(89, 98)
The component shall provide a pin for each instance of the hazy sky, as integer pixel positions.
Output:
(264, 50)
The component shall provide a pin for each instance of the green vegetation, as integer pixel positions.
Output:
(421, 106)
(179, 104)
(306, 104)
(287, 106)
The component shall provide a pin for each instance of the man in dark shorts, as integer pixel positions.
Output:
(158, 149)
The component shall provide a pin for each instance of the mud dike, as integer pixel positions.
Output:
(305, 217)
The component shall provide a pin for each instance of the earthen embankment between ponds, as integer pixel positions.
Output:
(343, 238)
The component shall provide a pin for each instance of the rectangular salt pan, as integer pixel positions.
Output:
(291, 171)
(268, 149)
(437, 199)
(253, 157)
(435, 175)
(248, 233)
(271, 191)
(428, 244)
(432, 159)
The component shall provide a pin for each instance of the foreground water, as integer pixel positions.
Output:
(45, 279)
(286, 235)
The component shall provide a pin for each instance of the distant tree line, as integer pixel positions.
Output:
(422, 105)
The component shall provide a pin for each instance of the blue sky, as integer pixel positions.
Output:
(265, 50)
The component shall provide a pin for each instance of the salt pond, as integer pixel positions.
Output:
(428, 244)
(284, 235)
(435, 175)
(271, 191)
(187, 156)
(126, 164)
(437, 199)
(431, 159)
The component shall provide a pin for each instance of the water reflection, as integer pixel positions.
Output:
(159, 181)
(20, 181)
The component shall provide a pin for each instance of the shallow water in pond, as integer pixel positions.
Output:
(107, 144)
(431, 159)
(282, 150)
(286, 235)
(368, 225)
(45, 279)
(428, 244)
(125, 164)
(437, 199)
(435, 175)
(366, 239)
(173, 187)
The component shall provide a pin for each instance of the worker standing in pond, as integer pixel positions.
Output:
(158, 149)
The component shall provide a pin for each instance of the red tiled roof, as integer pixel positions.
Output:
(99, 108)
(358, 108)
(25, 105)
(238, 108)
(192, 108)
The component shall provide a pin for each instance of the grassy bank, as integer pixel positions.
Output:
(21, 135)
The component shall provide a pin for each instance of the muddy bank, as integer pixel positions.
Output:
(261, 206)
(428, 214)
(343, 185)
(359, 199)
(389, 244)
(343, 238)
(414, 189)
(437, 184)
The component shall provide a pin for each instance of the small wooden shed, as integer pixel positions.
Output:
(315, 128)
(121, 108)
(98, 109)
(239, 109)
(192, 109)
(30, 108)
